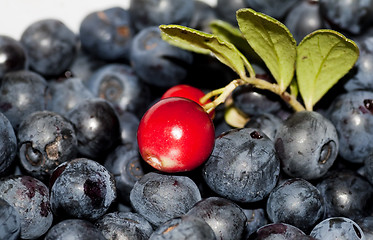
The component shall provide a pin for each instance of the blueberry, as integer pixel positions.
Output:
(203, 14)
(74, 229)
(97, 127)
(8, 144)
(303, 19)
(129, 123)
(279, 231)
(81, 188)
(273, 8)
(352, 17)
(84, 64)
(148, 13)
(124, 225)
(366, 224)
(268, 123)
(226, 10)
(346, 194)
(159, 197)
(125, 164)
(253, 102)
(30, 198)
(157, 62)
(360, 78)
(243, 165)
(368, 169)
(63, 96)
(184, 228)
(13, 55)
(337, 228)
(50, 46)
(21, 93)
(107, 34)
(10, 223)
(352, 115)
(46, 139)
(226, 218)
(307, 145)
(296, 202)
(119, 84)
(256, 218)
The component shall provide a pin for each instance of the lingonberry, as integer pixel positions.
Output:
(175, 135)
(189, 92)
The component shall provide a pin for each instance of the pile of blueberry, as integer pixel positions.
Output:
(81, 115)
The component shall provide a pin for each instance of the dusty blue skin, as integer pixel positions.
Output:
(243, 166)
(160, 197)
(147, 13)
(360, 78)
(30, 198)
(226, 218)
(352, 17)
(157, 62)
(97, 127)
(8, 144)
(81, 188)
(303, 19)
(124, 225)
(64, 95)
(338, 228)
(10, 223)
(253, 102)
(13, 53)
(46, 139)
(125, 164)
(74, 229)
(307, 145)
(352, 115)
(256, 218)
(50, 46)
(268, 123)
(296, 202)
(273, 8)
(366, 224)
(184, 228)
(346, 194)
(279, 231)
(226, 10)
(119, 84)
(107, 34)
(26, 85)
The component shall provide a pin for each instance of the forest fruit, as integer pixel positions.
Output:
(189, 92)
(175, 135)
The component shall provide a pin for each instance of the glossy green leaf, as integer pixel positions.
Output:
(272, 41)
(323, 57)
(204, 43)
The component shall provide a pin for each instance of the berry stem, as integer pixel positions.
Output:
(224, 94)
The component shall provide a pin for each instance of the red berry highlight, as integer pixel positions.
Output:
(175, 135)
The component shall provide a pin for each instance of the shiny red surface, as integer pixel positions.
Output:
(175, 135)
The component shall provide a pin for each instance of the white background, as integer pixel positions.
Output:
(16, 15)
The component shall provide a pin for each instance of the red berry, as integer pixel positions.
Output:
(189, 92)
(175, 135)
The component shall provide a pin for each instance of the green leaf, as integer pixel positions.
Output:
(272, 41)
(323, 57)
(232, 34)
(294, 89)
(204, 43)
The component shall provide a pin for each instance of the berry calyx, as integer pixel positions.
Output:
(175, 135)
